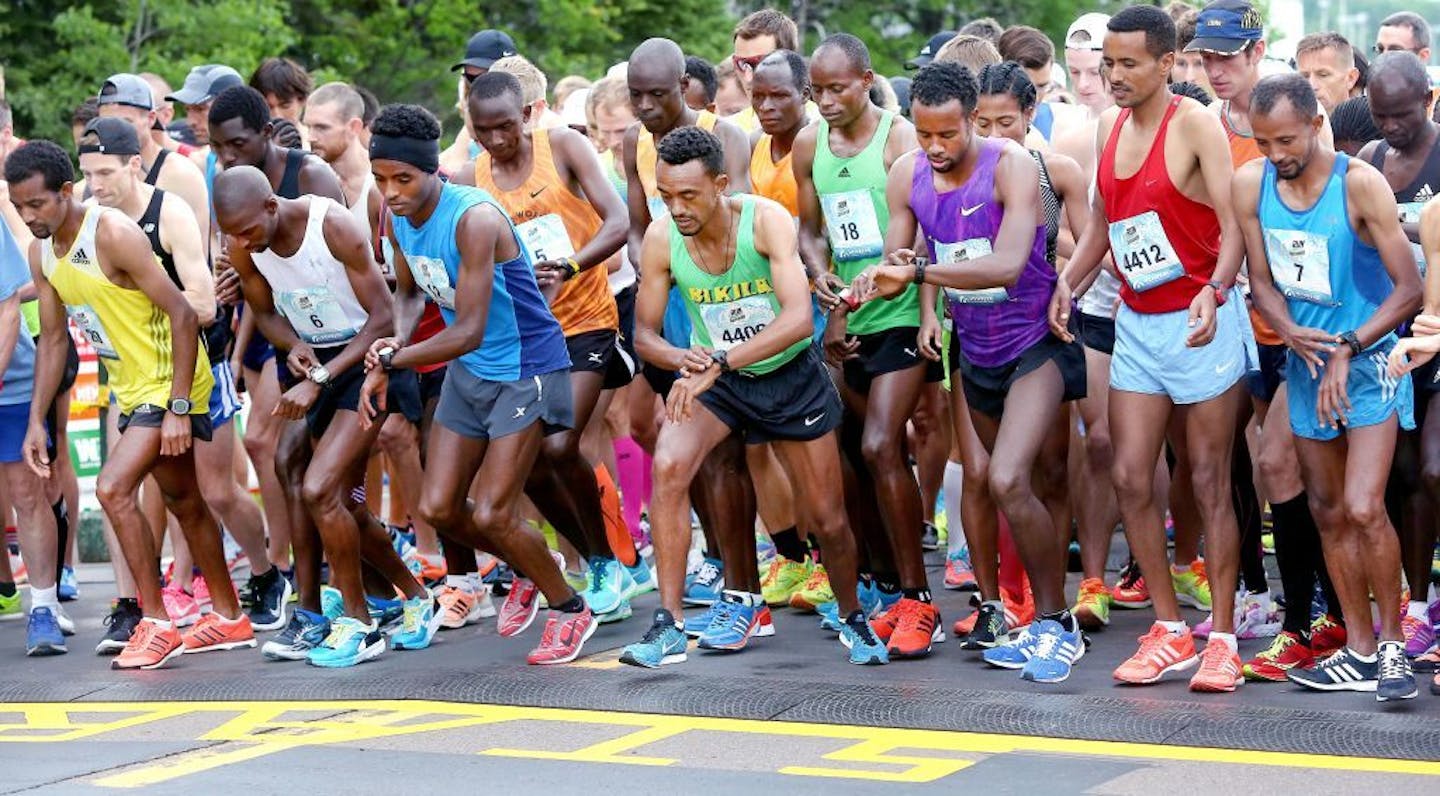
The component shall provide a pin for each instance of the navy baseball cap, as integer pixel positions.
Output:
(1226, 27)
(111, 137)
(485, 48)
(927, 53)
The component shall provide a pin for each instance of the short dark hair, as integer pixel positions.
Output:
(684, 144)
(1159, 29)
(1007, 78)
(1268, 92)
(86, 111)
(1026, 46)
(283, 78)
(985, 27)
(42, 157)
(495, 84)
(938, 82)
(406, 121)
(1327, 40)
(799, 72)
(769, 22)
(1186, 28)
(1184, 88)
(1351, 121)
(1362, 65)
(371, 104)
(243, 102)
(700, 69)
(854, 49)
(1406, 65)
(1419, 28)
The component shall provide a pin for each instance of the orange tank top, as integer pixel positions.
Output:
(646, 156)
(1243, 149)
(554, 223)
(771, 179)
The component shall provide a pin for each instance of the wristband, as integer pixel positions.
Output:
(921, 263)
(572, 267)
(1353, 341)
(722, 359)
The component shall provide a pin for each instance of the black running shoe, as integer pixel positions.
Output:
(265, 599)
(989, 629)
(120, 624)
(1339, 672)
(1396, 680)
(930, 537)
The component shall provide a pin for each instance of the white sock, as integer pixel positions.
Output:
(1175, 628)
(1228, 639)
(744, 598)
(163, 624)
(953, 486)
(45, 598)
(1362, 658)
(461, 582)
(1415, 609)
(474, 581)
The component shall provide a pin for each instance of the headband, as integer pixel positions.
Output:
(423, 155)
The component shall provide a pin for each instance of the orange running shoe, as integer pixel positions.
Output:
(1160, 653)
(461, 607)
(214, 633)
(916, 626)
(150, 647)
(884, 622)
(1219, 671)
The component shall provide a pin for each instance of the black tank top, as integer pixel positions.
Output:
(1427, 180)
(154, 174)
(1051, 205)
(290, 180)
(150, 224)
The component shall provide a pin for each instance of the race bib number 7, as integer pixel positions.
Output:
(1143, 253)
(1300, 265)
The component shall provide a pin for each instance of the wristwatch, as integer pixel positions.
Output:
(572, 267)
(180, 406)
(1353, 340)
(319, 375)
(722, 359)
(921, 263)
(1220, 292)
(386, 357)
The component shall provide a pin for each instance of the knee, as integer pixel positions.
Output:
(113, 495)
(669, 470)
(492, 520)
(880, 450)
(440, 513)
(319, 491)
(1133, 484)
(1364, 512)
(1009, 485)
(560, 448)
(1210, 483)
(1430, 474)
(1276, 465)
(1099, 452)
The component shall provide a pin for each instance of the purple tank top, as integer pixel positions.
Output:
(994, 326)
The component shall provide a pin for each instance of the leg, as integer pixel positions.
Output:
(177, 480)
(262, 437)
(1365, 514)
(400, 440)
(1137, 426)
(292, 458)
(130, 459)
(679, 450)
(38, 534)
(978, 511)
(931, 434)
(234, 508)
(811, 465)
(1209, 443)
(563, 483)
(1096, 509)
(892, 401)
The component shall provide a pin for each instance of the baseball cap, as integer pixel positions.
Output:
(485, 48)
(114, 136)
(127, 89)
(1225, 27)
(204, 82)
(927, 53)
(1087, 32)
(572, 113)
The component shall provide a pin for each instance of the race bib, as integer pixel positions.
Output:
(431, 276)
(1410, 214)
(1143, 253)
(734, 322)
(851, 225)
(315, 315)
(546, 238)
(89, 324)
(952, 253)
(1300, 265)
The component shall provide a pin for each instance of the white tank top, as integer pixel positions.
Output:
(1103, 297)
(310, 286)
(361, 208)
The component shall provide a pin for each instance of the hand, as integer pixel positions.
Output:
(297, 400)
(1332, 403)
(1310, 345)
(372, 355)
(838, 345)
(827, 290)
(284, 133)
(550, 277)
(372, 397)
(1059, 311)
(1202, 319)
(1425, 325)
(237, 367)
(932, 336)
(680, 404)
(693, 360)
(882, 282)
(175, 436)
(1410, 353)
(227, 282)
(35, 450)
(301, 360)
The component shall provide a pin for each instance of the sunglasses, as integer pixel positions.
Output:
(1381, 49)
(746, 63)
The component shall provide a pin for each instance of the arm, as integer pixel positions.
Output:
(49, 363)
(580, 160)
(9, 330)
(1092, 241)
(1430, 243)
(349, 245)
(775, 239)
(180, 235)
(1212, 149)
(478, 234)
(650, 300)
(1266, 298)
(409, 300)
(261, 314)
(634, 195)
(1370, 196)
(465, 175)
(814, 249)
(1069, 184)
(189, 184)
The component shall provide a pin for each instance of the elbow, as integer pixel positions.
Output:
(205, 315)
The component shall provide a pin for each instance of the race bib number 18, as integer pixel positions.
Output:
(1143, 252)
(951, 253)
(852, 226)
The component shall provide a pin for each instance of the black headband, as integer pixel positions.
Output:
(423, 155)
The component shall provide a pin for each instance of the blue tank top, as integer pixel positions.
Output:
(522, 338)
(1331, 279)
(1044, 120)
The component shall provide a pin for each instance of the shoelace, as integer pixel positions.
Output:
(1046, 646)
(412, 615)
(864, 632)
(816, 580)
(1130, 575)
(1392, 664)
(708, 574)
(655, 632)
(339, 632)
(1213, 651)
(723, 614)
(989, 619)
(140, 639)
(1152, 641)
(599, 573)
(1277, 647)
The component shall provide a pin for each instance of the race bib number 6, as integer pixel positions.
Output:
(1143, 252)
(315, 315)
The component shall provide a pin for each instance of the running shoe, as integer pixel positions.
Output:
(460, 607)
(426, 570)
(67, 625)
(214, 633)
(420, 624)
(1092, 605)
(989, 628)
(1327, 636)
(1130, 590)
(1014, 653)
(1192, 587)
(709, 581)
(642, 578)
(183, 608)
(349, 643)
(663, 643)
(1429, 662)
(917, 625)
(150, 647)
(782, 579)
(696, 625)
(959, 576)
(1419, 635)
(604, 585)
(1056, 650)
(519, 609)
(620, 614)
(119, 627)
(734, 624)
(10, 607)
(332, 603)
(201, 590)
(1161, 652)
(42, 634)
(389, 615)
(1396, 679)
(1342, 671)
(67, 587)
(816, 591)
(305, 632)
(1219, 671)
(1259, 617)
(1288, 651)
(18, 572)
(930, 537)
(265, 599)
(564, 635)
(866, 649)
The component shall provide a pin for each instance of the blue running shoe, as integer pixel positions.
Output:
(604, 585)
(866, 649)
(696, 625)
(350, 642)
(1016, 652)
(419, 624)
(305, 632)
(735, 624)
(332, 603)
(1056, 650)
(643, 577)
(67, 587)
(663, 643)
(830, 617)
(709, 581)
(387, 614)
(620, 614)
(42, 634)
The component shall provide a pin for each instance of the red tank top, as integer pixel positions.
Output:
(1192, 229)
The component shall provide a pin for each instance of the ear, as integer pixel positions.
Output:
(1259, 49)
(268, 130)
(1351, 78)
(868, 79)
(722, 182)
(272, 204)
(1167, 62)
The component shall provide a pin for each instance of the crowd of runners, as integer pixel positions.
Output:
(1002, 304)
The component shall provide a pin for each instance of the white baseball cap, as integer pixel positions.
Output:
(1087, 32)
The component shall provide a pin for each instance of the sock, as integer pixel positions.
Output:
(62, 527)
(1417, 609)
(1064, 618)
(473, 582)
(574, 605)
(923, 595)
(743, 598)
(1228, 639)
(887, 584)
(1362, 658)
(815, 548)
(1012, 569)
(7, 588)
(617, 533)
(44, 598)
(630, 465)
(789, 544)
(952, 487)
(1175, 628)
(461, 582)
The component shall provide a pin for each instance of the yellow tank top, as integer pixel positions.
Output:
(773, 180)
(646, 158)
(126, 329)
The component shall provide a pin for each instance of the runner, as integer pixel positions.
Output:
(840, 165)
(507, 384)
(1083, 45)
(1404, 31)
(286, 86)
(201, 86)
(1336, 293)
(756, 36)
(1181, 342)
(1328, 61)
(106, 279)
(324, 303)
(753, 370)
(701, 85)
(977, 203)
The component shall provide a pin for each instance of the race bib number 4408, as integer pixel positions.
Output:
(734, 322)
(852, 226)
(1143, 253)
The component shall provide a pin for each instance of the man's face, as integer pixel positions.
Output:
(695, 98)
(403, 186)
(730, 98)
(198, 117)
(290, 108)
(236, 145)
(610, 126)
(657, 97)
(1401, 37)
(1134, 74)
(497, 124)
(330, 135)
(1040, 76)
(252, 226)
(840, 91)
(690, 193)
(1286, 138)
(779, 105)
(1085, 79)
(110, 178)
(747, 51)
(1328, 76)
(1398, 111)
(1190, 68)
(943, 133)
(138, 118)
(41, 209)
(1232, 76)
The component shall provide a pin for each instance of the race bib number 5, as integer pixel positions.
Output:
(951, 253)
(852, 226)
(546, 238)
(734, 322)
(1143, 252)
(1300, 265)
(88, 320)
(431, 277)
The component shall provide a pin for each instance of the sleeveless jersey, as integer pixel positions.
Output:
(153, 175)
(361, 208)
(646, 158)
(1413, 197)
(1050, 203)
(1243, 149)
(773, 179)
(311, 288)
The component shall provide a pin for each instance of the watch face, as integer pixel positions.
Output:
(180, 406)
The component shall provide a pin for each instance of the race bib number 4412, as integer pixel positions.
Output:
(1143, 253)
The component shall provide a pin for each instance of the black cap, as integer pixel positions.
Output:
(113, 137)
(485, 48)
(927, 53)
